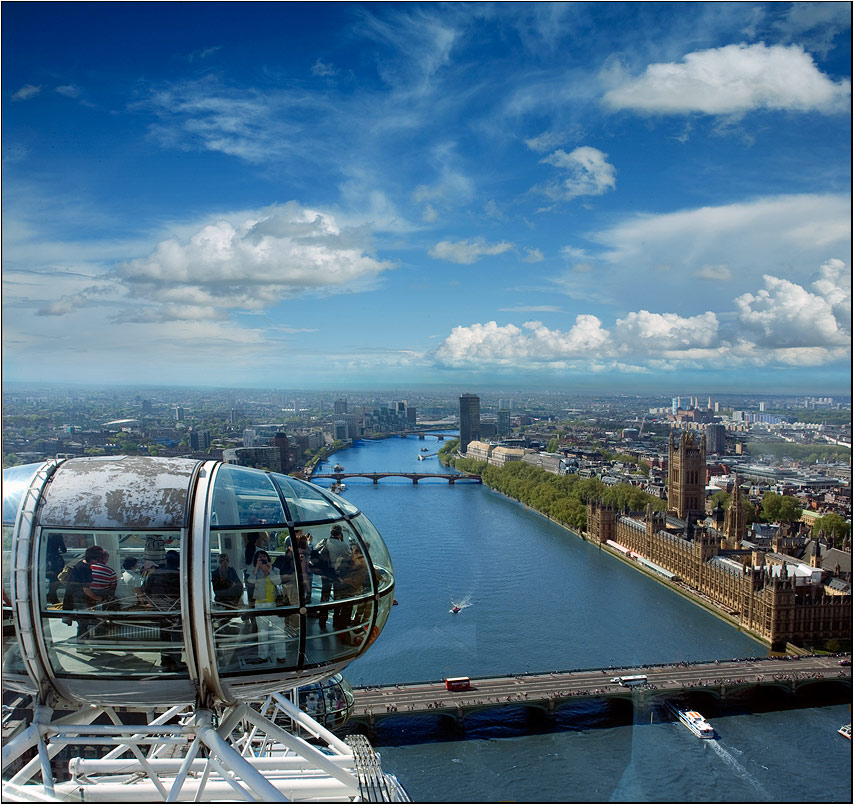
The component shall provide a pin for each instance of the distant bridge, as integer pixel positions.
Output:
(451, 478)
(549, 690)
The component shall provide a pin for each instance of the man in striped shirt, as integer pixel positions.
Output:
(104, 578)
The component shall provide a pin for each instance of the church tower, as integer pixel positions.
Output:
(734, 518)
(687, 475)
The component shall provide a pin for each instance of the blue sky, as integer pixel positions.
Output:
(340, 195)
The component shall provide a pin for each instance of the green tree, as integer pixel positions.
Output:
(834, 526)
(552, 445)
(781, 508)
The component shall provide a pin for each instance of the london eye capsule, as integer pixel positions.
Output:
(151, 581)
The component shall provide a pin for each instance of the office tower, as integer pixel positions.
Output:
(470, 420)
(179, 414)
(200, 440)
(340, 407)
(687, 475)
(281, 441)
(762, 405)
(503, 422)
(233, 415)
(340, 430)
(715, 406)
(412, 414)
(715, 438)
(146, 406)
(249, 437)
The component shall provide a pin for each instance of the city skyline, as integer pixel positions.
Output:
(592, 196)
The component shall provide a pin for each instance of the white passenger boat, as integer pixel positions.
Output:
(694, 722)
(846, 730)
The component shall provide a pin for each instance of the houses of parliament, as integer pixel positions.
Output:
(771, 595)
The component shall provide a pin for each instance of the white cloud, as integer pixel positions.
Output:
(467, 252)
(781, 324)
(784, 314)
(27, 91)
(246, 263)
(533, 256)
(492, 344)
(68, 90)
(731, 80)
(584, 172)
(750, 238)
(719, 272)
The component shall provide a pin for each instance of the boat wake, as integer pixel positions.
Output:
(728, 758)
(456, 607)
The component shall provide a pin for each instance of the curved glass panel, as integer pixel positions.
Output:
(254, 600)
(377, 551)
(16, 481)
(346, 506)
(111, 602)
(306, 503)
(330, 701)
(243, 496)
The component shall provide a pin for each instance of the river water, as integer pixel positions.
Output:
(534, 598)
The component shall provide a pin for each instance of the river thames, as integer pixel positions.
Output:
(534, 598)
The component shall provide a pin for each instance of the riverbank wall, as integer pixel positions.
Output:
(678, 587)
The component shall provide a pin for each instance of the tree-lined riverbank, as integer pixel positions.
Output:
(563, 499)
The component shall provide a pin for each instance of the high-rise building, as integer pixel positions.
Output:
(687, 475)
(340, 407)
(503, 422)
(412, 414)
(340, 430)
(179, 414)
(470, 420)
(249, 436)
(145, 405)
(281, 441)
(714, 433)
(200, 440)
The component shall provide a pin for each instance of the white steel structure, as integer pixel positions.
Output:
(171, 674)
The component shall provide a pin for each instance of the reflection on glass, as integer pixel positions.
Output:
(245, 497)
(377, 551)
(111, 602)
(305, 502)
(330, 701)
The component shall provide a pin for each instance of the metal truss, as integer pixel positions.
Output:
(198, 755)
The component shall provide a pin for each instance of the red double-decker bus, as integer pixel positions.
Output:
(458, 683)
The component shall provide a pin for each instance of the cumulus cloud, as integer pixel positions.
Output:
(283, 251)
(533, 256)
(27, 91)
(731, 80)
(785, 314)
(782, 323)
(467, 252)
(533, 344)
(583, 172)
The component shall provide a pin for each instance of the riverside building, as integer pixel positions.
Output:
(773, 596)
(470, 420)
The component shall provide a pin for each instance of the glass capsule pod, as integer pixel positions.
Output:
(149, 581)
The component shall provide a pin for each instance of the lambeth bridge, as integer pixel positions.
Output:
(451, 478)
(744, 681)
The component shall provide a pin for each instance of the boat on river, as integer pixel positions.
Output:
(337, 468)
(694, 722)
(846, 731)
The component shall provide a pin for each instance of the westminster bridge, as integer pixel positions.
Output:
(451, 478)
(548, 691)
